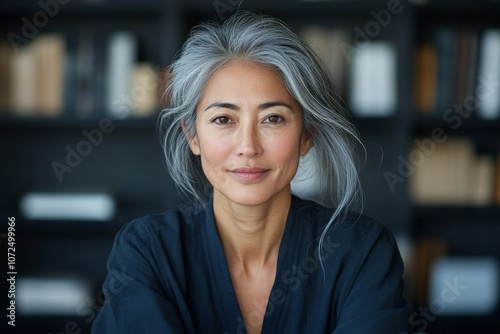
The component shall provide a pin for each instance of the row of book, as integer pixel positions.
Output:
(79, 75)
(453, 173)
(458, 67)
(451, 67)
(364, 74)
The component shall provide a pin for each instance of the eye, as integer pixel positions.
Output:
(221, 120)
(274, 119)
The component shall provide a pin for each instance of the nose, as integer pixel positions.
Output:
(249, 144)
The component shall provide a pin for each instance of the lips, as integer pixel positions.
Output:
(249, 173)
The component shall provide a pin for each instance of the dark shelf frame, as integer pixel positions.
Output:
(174, 18)
(55, 123)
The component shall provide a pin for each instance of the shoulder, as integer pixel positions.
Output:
(146, 226)
(349, 223)
(168, 226)
(157, 244)
(361, 269)
(354, 231)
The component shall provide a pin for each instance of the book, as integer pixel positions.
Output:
(458, 162)
(423, 177)
(465, 70)
(373, 84)
(99, 74)
(446, 46)
(23, 81)
(338, 64)
(6, 55)
(36, 82)
(473, 64)
(425, 78)
(317, 38)
(70, 76)
(163, 80)
(454, 174)
(446, 68)
(49, 52)
(121, 57)
(427, 251)
(326, 43)
(489, 73)
(84, 91)
(497, 187)
(144, 95)
(484, 181)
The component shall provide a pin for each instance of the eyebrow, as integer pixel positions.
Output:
(262, 106)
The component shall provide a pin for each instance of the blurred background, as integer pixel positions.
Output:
(81, 86)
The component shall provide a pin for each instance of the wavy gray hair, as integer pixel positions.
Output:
(266, 40)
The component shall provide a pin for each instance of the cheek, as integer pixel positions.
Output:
(286, 150)
(213, 151)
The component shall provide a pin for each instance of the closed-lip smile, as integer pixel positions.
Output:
(249, 173)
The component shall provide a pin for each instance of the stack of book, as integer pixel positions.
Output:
(326, 44)
(454, 174)
(365, 75)
(81, 75)
(458, 67)
(33, 78)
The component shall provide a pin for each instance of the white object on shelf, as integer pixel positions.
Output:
(68, 206)
(487, 90)
(51, 296)
(373, 88)
(464, 285)
(122, 51)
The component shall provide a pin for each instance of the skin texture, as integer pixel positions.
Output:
(249, 136)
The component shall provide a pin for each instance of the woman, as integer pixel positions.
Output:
(248, 100)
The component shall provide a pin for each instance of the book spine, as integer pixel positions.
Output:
(23, 81)
(489, 71)
(446, 69)
(121, 58)
(6, 58)
(425, 78)
(84, 70)
(50, 56)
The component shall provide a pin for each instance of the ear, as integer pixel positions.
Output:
(193, 141)
(305, 143)
(195, 145)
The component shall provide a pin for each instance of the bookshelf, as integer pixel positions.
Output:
(453, 35)
(128, 162)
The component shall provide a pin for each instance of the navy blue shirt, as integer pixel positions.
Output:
(168, 274)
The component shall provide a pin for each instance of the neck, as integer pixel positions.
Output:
(251, 235)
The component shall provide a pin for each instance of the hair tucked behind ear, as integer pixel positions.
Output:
(266, 40)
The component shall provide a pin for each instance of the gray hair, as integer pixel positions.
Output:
(266, 40)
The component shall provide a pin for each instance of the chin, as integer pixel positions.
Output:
(252, 198)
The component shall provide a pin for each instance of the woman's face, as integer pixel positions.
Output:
(248, 133)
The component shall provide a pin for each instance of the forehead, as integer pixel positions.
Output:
(246, 78)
